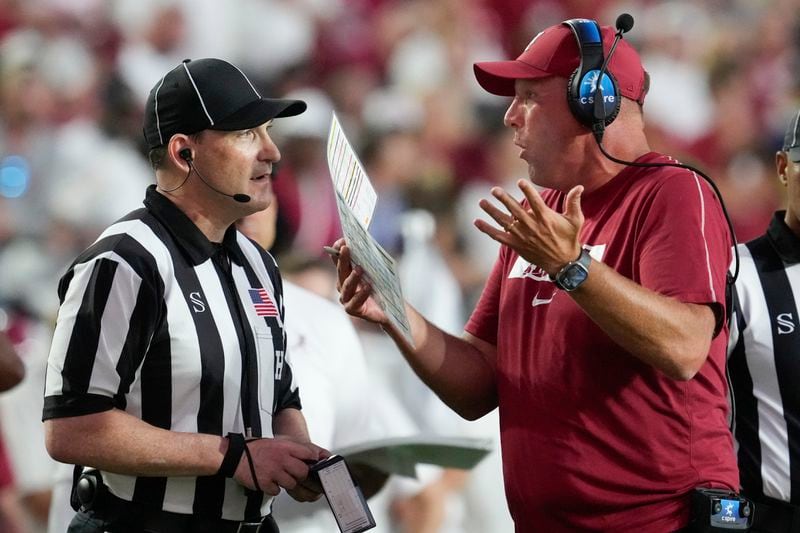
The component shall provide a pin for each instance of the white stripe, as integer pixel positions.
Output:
(114, 326)
(703, 232)
(759, 354)
(121, 486)
(794, 130)
(235, 504)
(179, 492)
(200, 96)
(158, 121)
(246, 79)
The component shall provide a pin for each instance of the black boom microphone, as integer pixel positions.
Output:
(624, 24)
(186, 155)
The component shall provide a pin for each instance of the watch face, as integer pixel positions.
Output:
(573, 276)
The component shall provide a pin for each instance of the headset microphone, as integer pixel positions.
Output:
(186, 155)
(624, 24)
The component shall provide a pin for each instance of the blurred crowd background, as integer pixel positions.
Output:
(74, 76)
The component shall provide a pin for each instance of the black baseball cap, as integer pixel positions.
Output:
(791, 141)
(208, 94)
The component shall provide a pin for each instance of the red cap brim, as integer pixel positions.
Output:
(498, 77)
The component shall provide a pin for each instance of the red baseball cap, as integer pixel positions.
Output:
(554, 52)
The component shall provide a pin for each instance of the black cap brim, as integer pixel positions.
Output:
(258, 112)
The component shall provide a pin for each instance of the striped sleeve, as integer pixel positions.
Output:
(95, 351)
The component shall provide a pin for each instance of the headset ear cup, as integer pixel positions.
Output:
(573, 99)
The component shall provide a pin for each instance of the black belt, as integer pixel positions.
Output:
(775, 516)
(132, 517)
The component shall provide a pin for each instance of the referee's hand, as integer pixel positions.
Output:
(277, 462)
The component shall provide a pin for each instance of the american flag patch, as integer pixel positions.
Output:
(262, 302)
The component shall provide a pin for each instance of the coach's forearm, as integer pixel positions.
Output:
(460, 370)
(670, 335)
(117, 442)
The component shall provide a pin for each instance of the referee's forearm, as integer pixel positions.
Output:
(114, 441)
(290, 422)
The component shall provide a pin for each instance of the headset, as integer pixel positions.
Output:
(186, 155)
(583, 86)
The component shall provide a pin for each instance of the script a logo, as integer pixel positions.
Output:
(524, 269)
(546, 290)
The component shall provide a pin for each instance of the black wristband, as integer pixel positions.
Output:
(252, 466)
(230, 462)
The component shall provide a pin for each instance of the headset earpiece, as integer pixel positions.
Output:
(582, 83)
(185, 154)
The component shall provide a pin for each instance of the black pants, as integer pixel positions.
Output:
(89, 522)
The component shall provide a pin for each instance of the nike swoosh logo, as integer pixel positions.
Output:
(541, 301)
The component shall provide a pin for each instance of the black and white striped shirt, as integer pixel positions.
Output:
(185, 334)
(764, 364)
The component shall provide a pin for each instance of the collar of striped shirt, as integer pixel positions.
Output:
(783, 239)
(193, 243)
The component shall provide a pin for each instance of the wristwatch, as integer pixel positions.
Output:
(574, 273)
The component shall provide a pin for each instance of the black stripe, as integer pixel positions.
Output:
(63, 284)
(749, 453)
(64, 405)
(156, 379)
(247, 340)
(149, 491)
(252, 510)
(786, 346)
(148, 316)
(85, 337)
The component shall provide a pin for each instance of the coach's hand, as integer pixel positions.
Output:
(355, 292)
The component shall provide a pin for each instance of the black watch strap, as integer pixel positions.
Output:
(236, 447)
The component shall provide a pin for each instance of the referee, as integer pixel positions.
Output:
(167, 378)
(764, 357)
